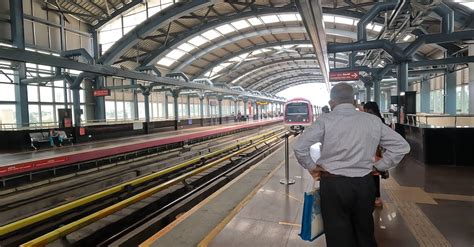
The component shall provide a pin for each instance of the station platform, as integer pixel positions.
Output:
(16, 163)
(423, 206)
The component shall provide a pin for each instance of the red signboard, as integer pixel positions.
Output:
(344, 76)
(101, 92)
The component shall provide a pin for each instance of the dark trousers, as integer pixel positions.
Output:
(377, 185)
(346, 206)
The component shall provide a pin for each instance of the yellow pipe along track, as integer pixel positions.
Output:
(14, 226)
(73, 226)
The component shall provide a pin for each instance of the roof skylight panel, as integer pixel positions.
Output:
(176, 54)
(225, 29)
(186, 47)
(240, 24)
(255, 21)
(469, 5)
(298, 17)
(211, 34)
(344, 20)
(198, 40)
(267, 19)
(166, 61)
(407, 37)
(287, 17)
(305, 46)
(328, 18)
(369, 26)
(378, 28)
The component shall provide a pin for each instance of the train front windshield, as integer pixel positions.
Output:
(297, 112)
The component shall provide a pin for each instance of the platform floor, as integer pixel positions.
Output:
(12, 158)
(423, 206)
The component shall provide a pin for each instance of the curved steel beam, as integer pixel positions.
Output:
(248, 50)
(256, 64)
(158, 20)
(281, 81)
(236, 38)
(157, 54)
(288, 72)
(266, 68)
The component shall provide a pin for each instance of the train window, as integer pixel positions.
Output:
(297, 108)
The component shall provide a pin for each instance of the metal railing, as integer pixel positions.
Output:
(440, 120)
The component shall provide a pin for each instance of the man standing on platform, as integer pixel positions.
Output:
(349, 140)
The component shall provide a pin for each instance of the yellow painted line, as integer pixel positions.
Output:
(213, 234)
(289, 224)
(452, 197)
(115, 189)
(73, 226)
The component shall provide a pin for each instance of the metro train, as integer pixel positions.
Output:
(298, 113)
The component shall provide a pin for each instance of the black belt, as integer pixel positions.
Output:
(330, 175)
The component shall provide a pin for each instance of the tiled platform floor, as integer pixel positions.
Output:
(424, 206)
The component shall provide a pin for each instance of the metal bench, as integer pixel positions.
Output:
(64, 137)
(37, 138)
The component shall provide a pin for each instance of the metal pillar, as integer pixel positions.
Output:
(245, 108)
(402, 85)
(425, 95)
(201, 108)
(99, 107)
(287, 179)
(377, 92)
(166, 106)
(367, 93)
(76, 106)
(189, 106)
(135, 101)
(255, 109)
(219, 100)
(146, 95)
(450, 93)
(471, 80)
(18, 40)
(236, 107)
(175, 94)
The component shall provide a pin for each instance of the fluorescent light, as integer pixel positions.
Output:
(198, 40)
(287, 17)
(344, 20)
(267, 19)
(166, 61)
(305, 46)
(186, 47)
(240, 24)
(175, 54)
(298, 16)
(211, 34)
(407, 38)
(225, 29)
(369, 26)
(255, 21)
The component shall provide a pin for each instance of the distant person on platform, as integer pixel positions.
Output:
(349, 139)
(325, 109)
(54, 138)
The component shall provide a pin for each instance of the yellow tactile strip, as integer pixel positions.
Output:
(452, 197)
(420, 226)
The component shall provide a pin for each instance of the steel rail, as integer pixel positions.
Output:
(73, 226)
(14, 226)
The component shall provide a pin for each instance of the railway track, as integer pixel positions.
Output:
(113, 214)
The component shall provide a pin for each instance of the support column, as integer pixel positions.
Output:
(255, 109)
(367, 93)
(425, 95)
(245, 108)
(450, 90)
(76, 106)
(135, 101)
(166, 106)
(219, 100)
(175, 93)
(18, 40)
(146, 96)
(377, 92)
(471, 80)
(189, 106)
(236, 107)
(201, 108)
(402, 85)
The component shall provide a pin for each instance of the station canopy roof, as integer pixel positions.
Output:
(260, 45)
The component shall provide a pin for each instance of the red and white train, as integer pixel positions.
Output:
(299, 113)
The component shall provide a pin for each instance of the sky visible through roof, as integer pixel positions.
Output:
(314, 92)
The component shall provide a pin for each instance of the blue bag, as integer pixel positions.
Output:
(312, 221)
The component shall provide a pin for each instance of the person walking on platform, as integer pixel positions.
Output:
(349, 139)
(372, 108)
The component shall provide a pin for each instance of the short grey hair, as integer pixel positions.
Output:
(342, 93)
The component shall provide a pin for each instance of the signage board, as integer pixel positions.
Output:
(101, 92)
(344, 76)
